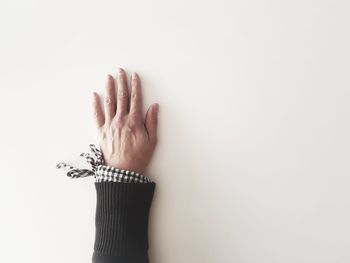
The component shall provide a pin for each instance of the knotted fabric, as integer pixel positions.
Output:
(102, 172)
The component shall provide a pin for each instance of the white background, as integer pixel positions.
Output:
(252, 164)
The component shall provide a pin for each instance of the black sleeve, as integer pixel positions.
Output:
(121, 222)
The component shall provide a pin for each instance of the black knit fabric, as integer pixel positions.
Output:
(121, 222)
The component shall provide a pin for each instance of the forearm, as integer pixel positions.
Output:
(121, 222)
(124, 198)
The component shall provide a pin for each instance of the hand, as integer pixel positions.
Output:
(127, 140)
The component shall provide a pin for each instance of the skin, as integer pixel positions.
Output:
(126, 138)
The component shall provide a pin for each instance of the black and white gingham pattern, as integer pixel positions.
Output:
(102, 172)
(111, 174)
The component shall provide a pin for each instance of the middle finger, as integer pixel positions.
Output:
(122, 94)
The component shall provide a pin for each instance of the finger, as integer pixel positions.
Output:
(136, 98)
(110, 99)
(97, 109)
(151, 122)
(122, 93)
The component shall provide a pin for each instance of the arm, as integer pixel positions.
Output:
(122, 222)
(127, 141)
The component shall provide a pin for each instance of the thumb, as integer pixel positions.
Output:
(151, 122)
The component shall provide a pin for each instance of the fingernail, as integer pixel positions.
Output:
(133, 76)
(108, 78)
(156, 107)
(120, 71)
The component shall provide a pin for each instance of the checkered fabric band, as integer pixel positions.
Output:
(102, 172)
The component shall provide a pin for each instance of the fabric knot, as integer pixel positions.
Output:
(102, 172)
(94, 161)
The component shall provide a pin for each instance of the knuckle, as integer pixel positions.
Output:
(134, 95)
(122, 94)
(118, 123)
(108, 100)
(132, 124)
(133, 114)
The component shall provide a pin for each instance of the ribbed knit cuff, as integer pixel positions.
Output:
(121, 222)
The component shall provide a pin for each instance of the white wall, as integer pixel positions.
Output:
(252, 164)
